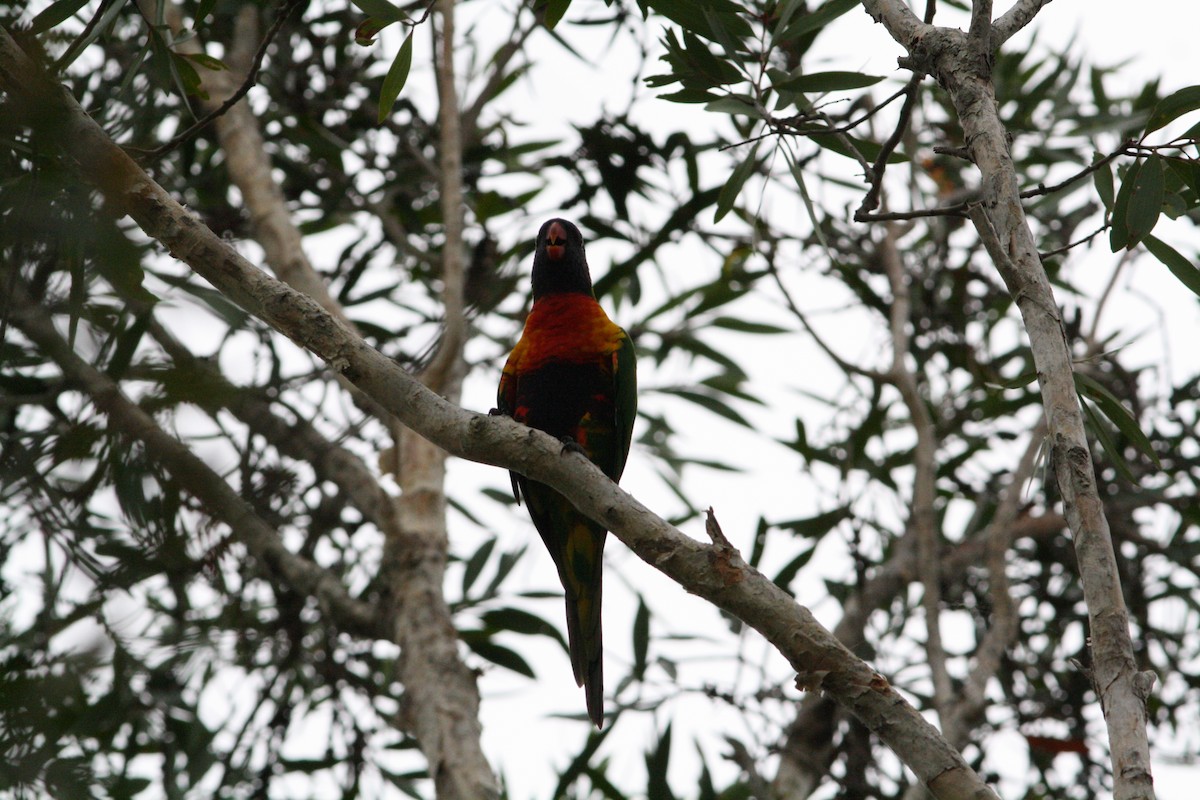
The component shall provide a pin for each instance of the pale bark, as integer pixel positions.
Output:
(922, 521)
(441, 695)
(717, 574)
(962, 66)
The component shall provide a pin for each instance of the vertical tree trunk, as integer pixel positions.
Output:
(961, 63)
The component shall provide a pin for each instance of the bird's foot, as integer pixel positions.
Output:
(495, 412)
(572, 446)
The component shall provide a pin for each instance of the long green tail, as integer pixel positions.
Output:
(577, 546)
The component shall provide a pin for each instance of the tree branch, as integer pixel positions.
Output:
(496, 79)
(234, 96)
(1012, 21)
(875, 173)
(899, 20)
(720, 577)
(807, 751)
(997, 537)
(922, 522)
(441, 694)
(980, 31)
(222, 502)
(963, 69)
(298, 440)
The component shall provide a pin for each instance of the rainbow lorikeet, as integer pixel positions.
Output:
(572, 375)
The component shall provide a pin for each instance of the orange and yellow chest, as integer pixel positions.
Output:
(570, 328)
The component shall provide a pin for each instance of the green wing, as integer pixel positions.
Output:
(625, 403)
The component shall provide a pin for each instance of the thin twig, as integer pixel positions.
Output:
(1059, 251)
(1041, 189)
(845, 366)
(69, 54)
(922, 521)
(1004, 627)
(875, 173)
(798, 119)
(197, 478)
(1013, 20)
(955, 210)
(232, 100)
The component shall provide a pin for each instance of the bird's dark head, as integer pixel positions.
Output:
(559, 264)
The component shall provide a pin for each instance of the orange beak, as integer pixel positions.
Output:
(556, 242)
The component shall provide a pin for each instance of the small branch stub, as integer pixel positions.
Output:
(724, 558)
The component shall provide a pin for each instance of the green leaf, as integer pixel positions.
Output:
(380, 9)
(207, 61)
(1180, 267)
(204, 9)
(784, 12)
(745, 326)
(1188, 172)
(1118, 236)
(581, 762)
(1146, 200)
(783, 579)
(695, 16)
(721, 34)
(55, 13)
(395, 79)
(186, 77)
(760, 543)
(691, 95)
(718, 407)
(869, 150)
(816, 526)
(520, 621)
(819, 18)
(1105, 437)
(734, 105)
(475, 565)
(498, 654)
(1172, 107)
(503, 567)
(81, 44)
(1116, 412)
(641, 638)
(368, 29)
(733, 186)
(697, 65)
(555, 9)
(1103, 180)
(827, 82)
(657, 763)
(120, 262)
(232, 314)
(127, 343)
